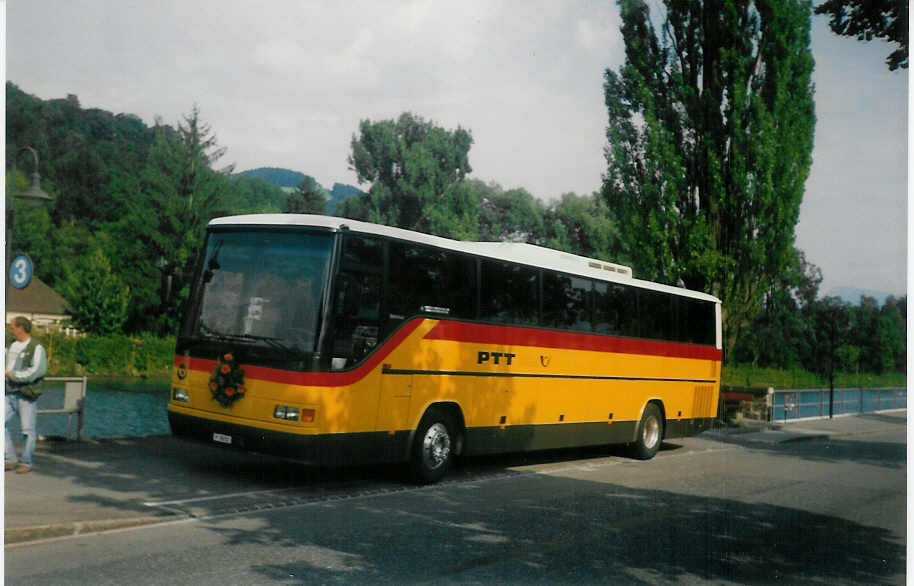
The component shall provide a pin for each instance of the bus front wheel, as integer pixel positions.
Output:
(650, 433)
(433, 448)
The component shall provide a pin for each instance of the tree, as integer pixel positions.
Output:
(872, 19)
(97, 297)
(179, 193)
(511, 216)
(779, 335)
(710, 139)
(308, 198)
(410, 164)
(581, 225)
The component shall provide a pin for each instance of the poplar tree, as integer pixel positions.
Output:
(710, 135)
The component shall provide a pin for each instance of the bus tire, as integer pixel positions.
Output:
(433, 447)
(650, 433)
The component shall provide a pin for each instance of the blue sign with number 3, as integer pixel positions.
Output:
(21, 271)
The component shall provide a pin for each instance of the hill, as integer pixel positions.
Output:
(288, 180)
(276, 176)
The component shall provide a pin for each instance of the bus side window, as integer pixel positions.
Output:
(615, 309)
(423, 277)
(509, 293)
(566, 301)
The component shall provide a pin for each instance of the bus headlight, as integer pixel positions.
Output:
(286, 413)
(180, 395)
(293, 414)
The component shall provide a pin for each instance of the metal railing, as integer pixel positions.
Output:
(793, 404)
(74, 400)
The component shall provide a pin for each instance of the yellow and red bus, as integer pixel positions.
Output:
(338, 342)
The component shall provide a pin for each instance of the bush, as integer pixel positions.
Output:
(109, 355)
(746, 375)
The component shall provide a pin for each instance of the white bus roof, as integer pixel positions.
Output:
(528, 254)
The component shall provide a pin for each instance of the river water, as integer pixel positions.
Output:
(114, 408)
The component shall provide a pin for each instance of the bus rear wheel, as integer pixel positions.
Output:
(433, 448)
(650, 433)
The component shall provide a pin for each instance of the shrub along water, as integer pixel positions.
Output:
(143, 355)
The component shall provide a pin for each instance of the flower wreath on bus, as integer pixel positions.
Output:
(227, 382)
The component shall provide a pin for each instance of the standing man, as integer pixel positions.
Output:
(26, 365)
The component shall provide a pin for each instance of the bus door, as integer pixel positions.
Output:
(358, 312)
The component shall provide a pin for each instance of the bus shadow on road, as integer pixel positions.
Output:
(553, 529)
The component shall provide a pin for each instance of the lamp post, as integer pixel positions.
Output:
(34, 196)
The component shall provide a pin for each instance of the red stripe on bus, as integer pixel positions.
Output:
(515, 336)
(318, 379)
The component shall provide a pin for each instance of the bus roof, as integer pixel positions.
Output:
(519, 252)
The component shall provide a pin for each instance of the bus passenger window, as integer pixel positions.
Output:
(566, 302)
(509, 293)
(423, 277)
(615, 309)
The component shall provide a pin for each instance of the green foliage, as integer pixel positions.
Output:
(581, 225)
(795, 330)
(255, 196)
(179, 194)
(710, 139)
(308, 198)
(410, 163)
(117, 354)
(746, 375)
(872, 19)
(98, 298)
(340, 193)
(510, 216)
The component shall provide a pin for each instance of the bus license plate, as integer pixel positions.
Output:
(222, 439)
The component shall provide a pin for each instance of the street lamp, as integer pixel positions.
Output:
(34, 196)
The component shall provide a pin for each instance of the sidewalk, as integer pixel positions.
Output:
(812, 429)
(97, 485)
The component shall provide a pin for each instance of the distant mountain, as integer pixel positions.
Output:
(852, 295)
(288, 180)
(339, 193)
(276, 176)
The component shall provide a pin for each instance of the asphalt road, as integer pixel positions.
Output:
(710, 509)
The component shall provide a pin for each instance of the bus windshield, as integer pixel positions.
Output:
(261, 290)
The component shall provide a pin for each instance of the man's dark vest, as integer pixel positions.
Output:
(33, 389)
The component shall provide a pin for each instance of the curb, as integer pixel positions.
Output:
(35, 533)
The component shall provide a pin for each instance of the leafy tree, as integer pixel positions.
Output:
(510, 216)
(779, 336)
(710, 139)
(832, 322)
(581, 225)
(872, 19)
(98, 298)
(308, 198)
(250, 195)
(410, 164)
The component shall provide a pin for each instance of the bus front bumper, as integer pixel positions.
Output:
(337, 449)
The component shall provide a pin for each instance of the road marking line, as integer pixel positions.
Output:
(217, 497)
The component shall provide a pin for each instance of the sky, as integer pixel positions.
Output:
(285, 84)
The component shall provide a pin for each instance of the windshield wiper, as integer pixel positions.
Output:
(273, 342)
